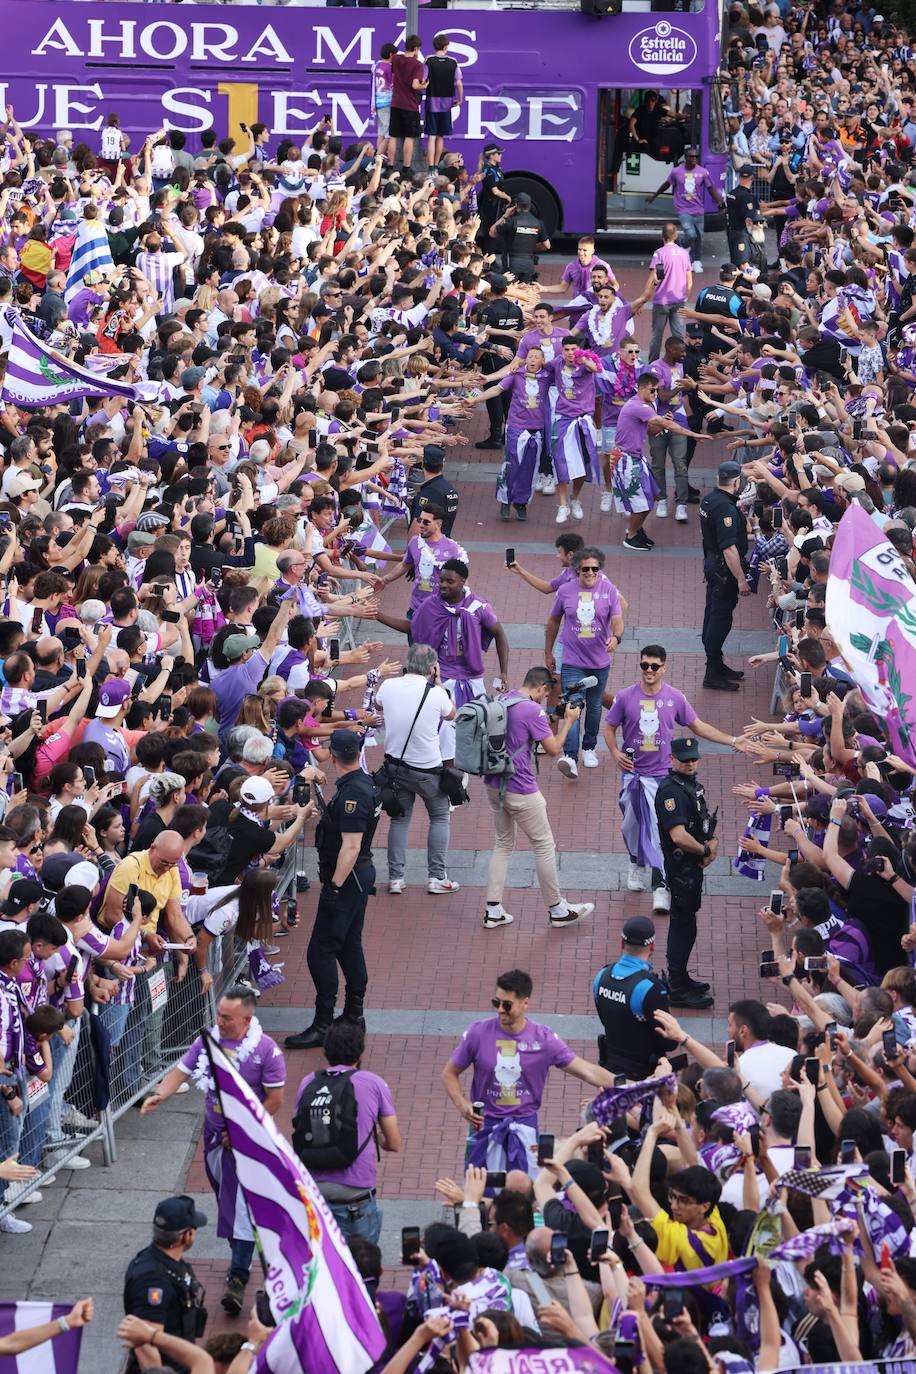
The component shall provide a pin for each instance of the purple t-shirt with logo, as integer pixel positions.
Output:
(510, 1071)
(526, 724)
(586, 628)
(688, 189)
(528, 406)
(647, 724)
(672, 289)
(373, 1099)
(633, 425)
(426, 558)
(575, 387)
(233, 684)
(262, 1068)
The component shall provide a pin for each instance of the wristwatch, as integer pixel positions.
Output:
(787, 978)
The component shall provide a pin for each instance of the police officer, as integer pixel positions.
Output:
(523, 235)
(344, 839)
(741, 209)
(724, 531)
(435, 489)
(499, 315)
(159, 1286)
(627, 996)
(686, 830)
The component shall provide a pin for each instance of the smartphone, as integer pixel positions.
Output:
(595, 1154)
(889, 1044)
(898, 1165)
(16, 783)
(730, 1053)
(545, 1148)
(793, 856)
(857, 426)
(496, 1178)
(785, 814)
(830, 1033)
(768, 965)
(672, 1303)
(510, 557)
(410, 1244)
(262, 1308)
(776, 904)
(599, 1241)
(89, 774)
(782, 647)
(71, 968)
(81, 668)
(163, 706)
(171, 617)
(161, 587)
(812, 1070)
(659, 274)
(816, 963)
(302, 792)
(558, 1247)
(804, 684)
(5, 519)
(777, 517)
(334, 650)
(620, 1080)
(678, 1061)
(216, 577)
(322, 579)
(42, 708)
(800, 618)
(847, 1152)
(802, 1157)
(37, 617)
(129, 898)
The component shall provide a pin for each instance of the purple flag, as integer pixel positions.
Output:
(871, 613)
(749, 865)
(326, 1318)
(693, 1278)
(612, 1103)
(59, 1356)
(806, 1244)
(740, 1116)
(36, 375)
(581, 1359)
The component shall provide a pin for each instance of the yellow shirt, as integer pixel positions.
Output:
(163, 887)
(675, 1249)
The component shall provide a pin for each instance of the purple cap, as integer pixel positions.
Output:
(112, 697)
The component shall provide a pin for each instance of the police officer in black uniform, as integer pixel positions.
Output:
(347, 874)
(435, 489)
(627, 996)
(498, 315)
(724, 531)
(741, 207)
(159, 1285)
(686, 830)
(522, 235)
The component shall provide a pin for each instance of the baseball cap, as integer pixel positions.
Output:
(336, 379)
(523, 200)
(498, 282)
(746, 170)
(589, 1178)
(639, 930)
(23, 893)
(112, 697)
(256, 791)
(84, 874)
(686, 748)
(491, 148)
(850, 482)
(55, 868)
(433, 457)
(729, 471)
(191, 377)
(23, 482)
(178, 1214)
(345, 745)
(236, 645)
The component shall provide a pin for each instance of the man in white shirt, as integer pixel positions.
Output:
(414, 707)
(760, 1061)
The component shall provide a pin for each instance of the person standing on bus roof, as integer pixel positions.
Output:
(688, 183)
(444, 92)
(381, 101)
(407, 85)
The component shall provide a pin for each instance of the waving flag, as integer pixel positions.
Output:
(581, 1359)
(871, 613)
(612, 1103)
(37, 375)
(806, 1244)
(326, 1320)
(91, 252)
(60, 1356)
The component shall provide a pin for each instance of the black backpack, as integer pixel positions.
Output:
(325, 1130)
(211, 856)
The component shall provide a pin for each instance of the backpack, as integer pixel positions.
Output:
(325, 1127)
(211, 856)
(480, 738)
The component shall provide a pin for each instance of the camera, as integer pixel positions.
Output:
(575, 697)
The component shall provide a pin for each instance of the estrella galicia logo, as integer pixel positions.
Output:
(663, 49)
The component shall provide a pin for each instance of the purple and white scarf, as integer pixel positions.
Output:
(758, 828)
(613, 1103)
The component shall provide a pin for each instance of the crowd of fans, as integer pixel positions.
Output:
(308, 329)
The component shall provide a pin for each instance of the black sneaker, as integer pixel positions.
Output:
(504, 511)
(637, 541)
(696, 986)
(233, 1297)
(693, 496)
(521, 512)
(687, 997)
(489, 443)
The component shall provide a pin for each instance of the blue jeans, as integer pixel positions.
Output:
(10, 1131)
(34, 1132)
(242, 1255)
(64, 1061)
(692, 235)
(412, 784)
(364, 1219)
(570, 674)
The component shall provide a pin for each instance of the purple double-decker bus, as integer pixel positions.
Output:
(555, 87)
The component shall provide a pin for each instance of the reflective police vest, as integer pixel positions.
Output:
(630, 1044)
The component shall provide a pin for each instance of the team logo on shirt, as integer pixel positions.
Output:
(154, 1297)
(669, 803)
(727, 520)
(349, 807)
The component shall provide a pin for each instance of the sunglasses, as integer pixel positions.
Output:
(651, 667)
(222, 448)
(590, 568)
(502, 1005)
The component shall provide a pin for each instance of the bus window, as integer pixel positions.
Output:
(718, 134)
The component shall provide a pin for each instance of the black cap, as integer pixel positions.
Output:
(178, 1214)
(23, 893)
(729, 471)
(686, 748)
(639, 930)
(433, 457)
(491, 148)
(523, 200)
(498, 282)
(746, 170)
(345, 745)
(589, 1178)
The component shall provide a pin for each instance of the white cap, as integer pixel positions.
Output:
(256, 791)
(83, 874)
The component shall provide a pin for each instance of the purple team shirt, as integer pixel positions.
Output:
(579, 274)
(373, 1099)
(688, 189)
(263, 1068)
(673, 287)
(233, 684)
(647, 724)
(551, 347)
(510, 1071)
(426, 558)
(528, 406)
(526, 723)
(633, 425)
(576, 389)
(587, 614)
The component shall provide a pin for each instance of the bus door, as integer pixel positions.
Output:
(639, 168)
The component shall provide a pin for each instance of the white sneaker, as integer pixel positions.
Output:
(75, 1162)
(576, 509)
(32, 1197)
(661, 510)
(607, 501)
(78, 1121)
(567, 766)
(696, 265)
(539, 480)
(185, 1087)
(438, 885)
(497, 916)
(590, 758)
(549, 487)
(680, 514)
(562, 515)
(12, 1226)
(636, 881)
(568, 913)
(661, 901)
(396, 886)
